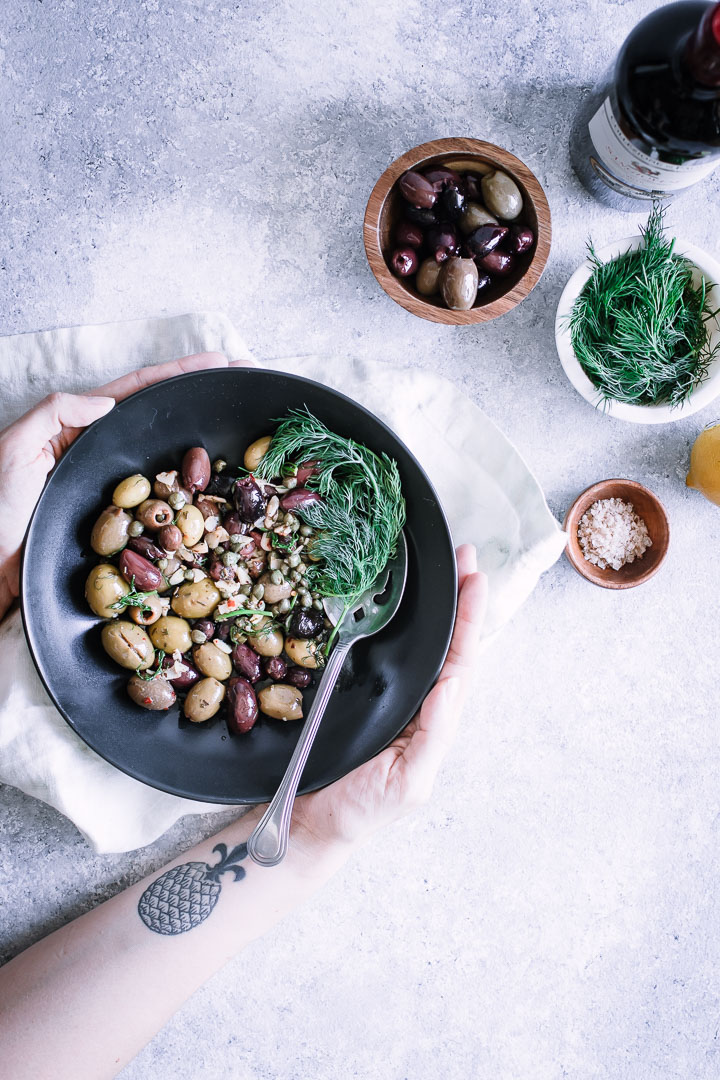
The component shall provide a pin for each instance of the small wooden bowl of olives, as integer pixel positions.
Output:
(457, 231)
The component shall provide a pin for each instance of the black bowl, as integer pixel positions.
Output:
(385, 677)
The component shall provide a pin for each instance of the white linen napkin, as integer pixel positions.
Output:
(462, 451)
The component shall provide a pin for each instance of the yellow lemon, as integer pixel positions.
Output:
(704, 474)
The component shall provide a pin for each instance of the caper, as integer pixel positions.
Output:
(198, 637)
(162, 564)
(136, 528)
(230, 558)
(236, 543)
(245, 590)
(305, 530)
(219, 465)
(236, 635)
(177, 500)
(294, 577)
(290, 469)
(283, 607)
(258, 591)
(318, 605)
(301, 568)
(276, 577)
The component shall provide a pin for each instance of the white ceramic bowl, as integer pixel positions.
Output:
(705, 266)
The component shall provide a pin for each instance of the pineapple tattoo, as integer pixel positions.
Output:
(184, 896)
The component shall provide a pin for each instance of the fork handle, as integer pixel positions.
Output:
(267, 844)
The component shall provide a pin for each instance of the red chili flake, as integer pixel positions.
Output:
(147, 701)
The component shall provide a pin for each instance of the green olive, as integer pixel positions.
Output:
(155, 694)
(266, 640)
(203, 700)
(281, 702)
(473, 216)
(127, 644)
(110, 531)
(459, 283)
(103, 588)
(302, 651)
(131, 491)
(211, 661)
(170, 634)
(142, 616)
(427, 279)
(502, 195)
(191, 524)
(196, 599)
(256, 452)
(273, 593)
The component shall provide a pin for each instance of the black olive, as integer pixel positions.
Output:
(306, 622)
(249, 500)
(421, 215)
(450, 204)
(221, 485)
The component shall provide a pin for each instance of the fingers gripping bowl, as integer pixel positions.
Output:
(199, 756)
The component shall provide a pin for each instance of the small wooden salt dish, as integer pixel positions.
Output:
(385, 209)
(647, 506)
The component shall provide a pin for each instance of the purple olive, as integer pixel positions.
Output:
(422, 216)
(521, 239)
(442, 241)
(485, 239)
(196, 469)
(242, 706)
(247, 662)
(306, 622)
(417, 190)
(275, 668)
(135, 567)
(249, 500)
(404, 261)
(218, 571)
(222, 629)
(408, 235)
(305, 470)
(206, 627)
(233, 524)
(187, 678)
(499, 263)
(145, 547)
(441, 178)
(299, 677)
(484, 280)
(299, 498)
(473, 190)
(450, 204)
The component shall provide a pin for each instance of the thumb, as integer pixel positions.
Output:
(58, 412)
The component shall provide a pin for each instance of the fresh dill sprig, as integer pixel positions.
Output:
(148, 673)
(238, 611)
(639, 326)
(134, 599)
(362, 511)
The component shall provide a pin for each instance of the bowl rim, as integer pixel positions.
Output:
(461, 147)
(706, 266)
(573, 553)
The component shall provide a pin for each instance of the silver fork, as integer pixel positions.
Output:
(373, 610)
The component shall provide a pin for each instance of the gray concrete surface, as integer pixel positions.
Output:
(554, 912)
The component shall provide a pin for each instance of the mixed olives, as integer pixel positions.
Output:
(461, 231)
(203, 585)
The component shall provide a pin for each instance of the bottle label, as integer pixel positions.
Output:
(625, 164)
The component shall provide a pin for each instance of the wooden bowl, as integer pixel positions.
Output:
(384, 210)
(650, 509)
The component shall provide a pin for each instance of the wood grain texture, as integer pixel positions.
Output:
(384, 210)
(650, 509)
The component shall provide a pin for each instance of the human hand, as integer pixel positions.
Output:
(30, 447)
(401, 777)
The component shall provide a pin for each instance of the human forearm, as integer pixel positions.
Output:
(98, 989)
